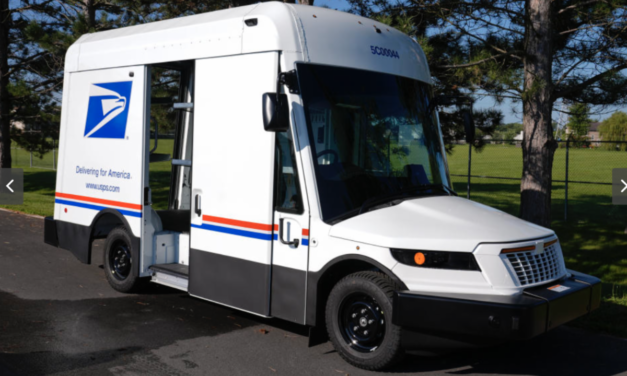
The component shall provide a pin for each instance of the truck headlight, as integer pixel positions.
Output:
(436, 259)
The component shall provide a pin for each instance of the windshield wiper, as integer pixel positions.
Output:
(445, 188)
(403, 194)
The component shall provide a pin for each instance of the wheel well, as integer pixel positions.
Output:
(331, 276)
(102, 225)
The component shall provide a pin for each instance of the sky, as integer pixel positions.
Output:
(335, 4)
(512, 112)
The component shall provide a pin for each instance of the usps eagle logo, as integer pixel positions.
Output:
(107, 113)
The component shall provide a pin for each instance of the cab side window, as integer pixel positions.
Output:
(288, 195)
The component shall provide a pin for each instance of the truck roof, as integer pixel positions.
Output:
(316, 35)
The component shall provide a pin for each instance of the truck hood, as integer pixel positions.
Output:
(443, 223)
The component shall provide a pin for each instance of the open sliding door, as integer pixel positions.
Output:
(232, 190)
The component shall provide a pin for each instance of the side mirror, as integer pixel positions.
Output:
(276, 114)
(469, 125)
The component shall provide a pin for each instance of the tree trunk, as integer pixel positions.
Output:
(538, 145)
(5, 100)
(89, 12)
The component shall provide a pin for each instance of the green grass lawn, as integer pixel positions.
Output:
(593, 238)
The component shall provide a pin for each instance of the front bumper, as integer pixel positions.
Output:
(494, 318)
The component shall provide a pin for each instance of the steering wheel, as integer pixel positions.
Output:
(336, 157)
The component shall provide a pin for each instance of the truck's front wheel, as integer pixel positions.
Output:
(118, 261)
(359, 321)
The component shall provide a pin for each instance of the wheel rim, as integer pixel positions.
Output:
(120, 260)
(362, 323)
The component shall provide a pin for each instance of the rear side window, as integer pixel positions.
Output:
(288, 195)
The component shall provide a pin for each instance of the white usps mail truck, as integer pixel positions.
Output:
(307, 181)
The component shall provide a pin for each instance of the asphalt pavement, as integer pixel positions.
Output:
(58, 316)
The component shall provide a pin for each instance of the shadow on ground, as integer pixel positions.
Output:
(70, 337)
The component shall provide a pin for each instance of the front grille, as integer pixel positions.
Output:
(532, 268)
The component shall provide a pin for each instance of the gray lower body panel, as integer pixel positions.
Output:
(247, 285)
(76, 239)
(288, 293)
(231, 281)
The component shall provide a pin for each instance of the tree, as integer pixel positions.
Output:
(579, 121)
(29, 75)
(531, 51)
(5, 102)
(614, 128)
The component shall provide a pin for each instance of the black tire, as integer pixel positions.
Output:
(359, 321)
(118, 261)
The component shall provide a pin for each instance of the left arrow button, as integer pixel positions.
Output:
(11, 186)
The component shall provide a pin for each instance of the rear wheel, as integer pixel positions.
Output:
(118, 261)
(359, 321)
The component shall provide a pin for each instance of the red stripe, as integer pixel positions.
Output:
(305, 232)
(235, 222)
(99, 201)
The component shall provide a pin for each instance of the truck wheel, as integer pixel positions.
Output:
(118, 261)
(359, 321)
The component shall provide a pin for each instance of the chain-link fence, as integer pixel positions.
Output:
(582, 176)
(24, 158)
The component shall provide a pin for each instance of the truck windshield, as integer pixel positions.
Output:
(371, 137)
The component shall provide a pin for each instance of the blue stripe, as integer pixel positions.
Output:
(232, 231)
(305, 241)
(96, 207)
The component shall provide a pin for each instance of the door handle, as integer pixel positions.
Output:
(198, 204)
(294, 242)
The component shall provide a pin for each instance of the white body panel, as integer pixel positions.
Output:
(327, 248)
(442, 223)
(281, 27)
(340, 39)
(113, 165)
(185, 38)
(233, 169)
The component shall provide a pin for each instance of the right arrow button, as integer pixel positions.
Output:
(619, 186)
